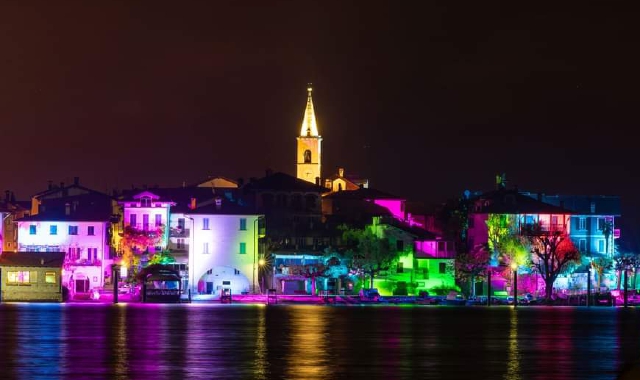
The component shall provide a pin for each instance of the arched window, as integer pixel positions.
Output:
(307, 156)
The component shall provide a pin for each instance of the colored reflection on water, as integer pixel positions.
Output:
(205, 341)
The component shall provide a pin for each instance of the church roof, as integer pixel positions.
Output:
(284, 182)
(309, 124)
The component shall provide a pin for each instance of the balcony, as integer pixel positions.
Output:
(616, 233)
(85, 263)
(178, 232)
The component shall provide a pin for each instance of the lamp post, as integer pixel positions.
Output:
(261, 264)
(588, 284)
(256, 242)
(514, 266)
(488, 286)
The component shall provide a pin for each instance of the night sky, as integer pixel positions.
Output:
(424, 101)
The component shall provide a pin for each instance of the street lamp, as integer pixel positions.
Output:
(589, 281)
(514, 266)
(261, 264)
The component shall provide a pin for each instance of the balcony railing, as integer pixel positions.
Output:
(179, 232)
(86, 263)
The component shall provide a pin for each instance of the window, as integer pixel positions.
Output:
(145, 202)
(133, 221)
(582, 224)
(19, 277)
(205, 248)
(32, 229)
(442, 268)
(50, 277)
(243, 248)
(91, 230)
(601, 246)
(307, 156)
(158, 220)
(441, 246)
(53, 230)
(226, 282)
(205, 223)
(243, 224)
(180, 243)
(582, 245)
(400, 246)
(145, 222)
(601, 222)
(181, 223)
(92, 254)
(73, 230)
(400, 267)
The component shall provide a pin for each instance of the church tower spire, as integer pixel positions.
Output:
(309, 144)
(309, 125)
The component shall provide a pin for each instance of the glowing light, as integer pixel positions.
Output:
(261, 262)
(514, 266)
(309, 125)
(123, 272)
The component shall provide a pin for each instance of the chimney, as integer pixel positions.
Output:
(50, 185)
(192, 205)
(240, 182)
(61, 185)
(67, 209)
(340, 172)
(317, 181)
(269, 172)
(76, 181)
(7, 196)
(218, 203)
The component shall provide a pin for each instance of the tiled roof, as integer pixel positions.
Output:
(363, 193)
(512, 202)
(284, 182)
(32, 259)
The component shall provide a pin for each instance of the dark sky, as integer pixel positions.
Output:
(426, 100)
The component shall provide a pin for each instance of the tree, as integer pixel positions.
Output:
(607, 229)
(624, 263)
(471, 265)
(453, 219)
(311, 272)
(553, 252)
(600, 265)
(165, 257)
(499, 227)
(514, 249)
(138, 241)
(368, 254)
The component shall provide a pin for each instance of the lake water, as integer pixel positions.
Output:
(198, 341)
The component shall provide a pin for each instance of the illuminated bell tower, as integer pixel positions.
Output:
(309, 145)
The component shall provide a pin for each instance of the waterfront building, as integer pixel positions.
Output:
(78, 221)
(31, 276)
(211, 235)
(593, 223)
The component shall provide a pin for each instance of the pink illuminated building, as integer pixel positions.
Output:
(77, 221)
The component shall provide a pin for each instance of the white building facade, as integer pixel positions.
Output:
(224, 252)
(88, 257)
